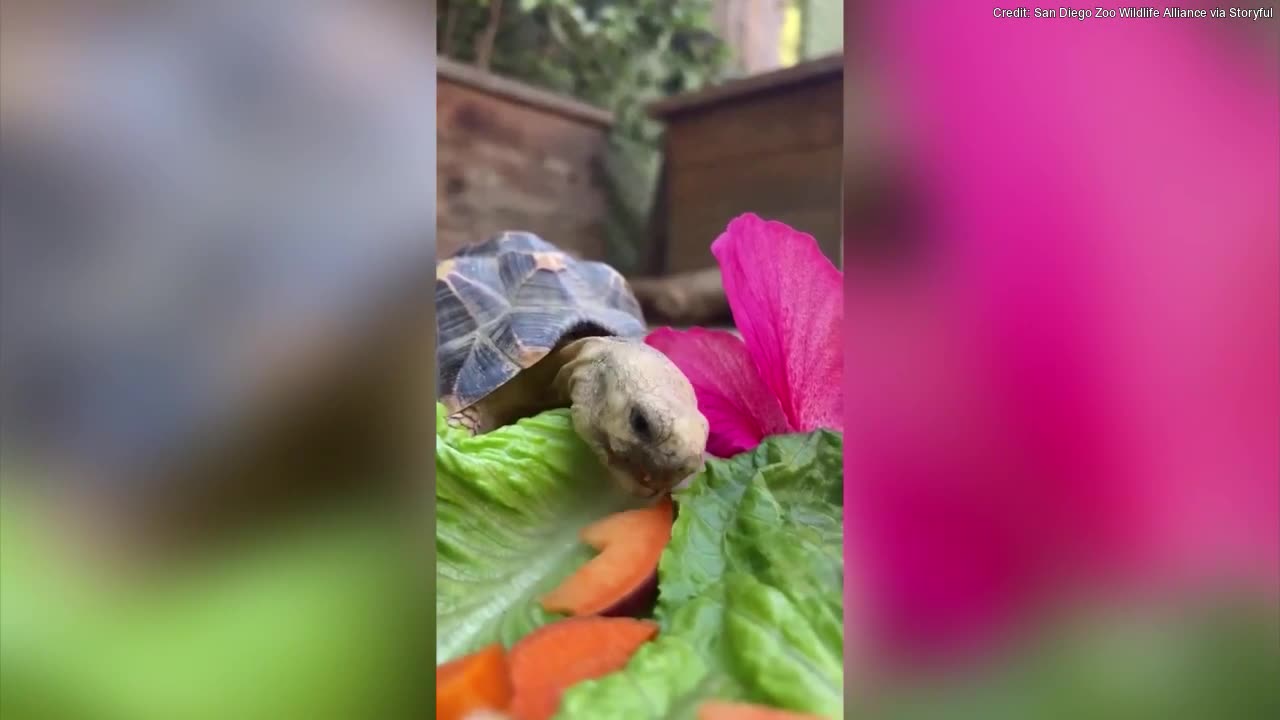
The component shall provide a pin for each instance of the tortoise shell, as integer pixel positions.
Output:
(504, 304)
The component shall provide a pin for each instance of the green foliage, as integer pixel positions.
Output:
(510, 505)
(617, 54)
(750, 592)
(750, 586)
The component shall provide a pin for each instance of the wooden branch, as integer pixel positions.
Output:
(484, 49)
(450, 25)
(691, 298)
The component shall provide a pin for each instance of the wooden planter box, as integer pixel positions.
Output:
(768, 144)
(514, 157)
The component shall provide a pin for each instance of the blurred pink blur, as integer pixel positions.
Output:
(1073, 390)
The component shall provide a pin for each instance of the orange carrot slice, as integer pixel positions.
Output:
(555, 657)
(478, 681)
(720, 710)
(630, 545)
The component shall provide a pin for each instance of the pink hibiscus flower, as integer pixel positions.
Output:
(784, 375)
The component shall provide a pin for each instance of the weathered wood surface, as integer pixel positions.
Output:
(768, 144)
(462, 74)
(513, 157)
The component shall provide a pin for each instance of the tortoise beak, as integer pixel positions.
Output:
(646, 481)
(668, 478)
(659, 484)
(648, 485)
(633, 478)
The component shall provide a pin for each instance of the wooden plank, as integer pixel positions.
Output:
(503, 165)
(792, 119)
(556, 145)
(802, 189)
(518, 92)
(811, 71)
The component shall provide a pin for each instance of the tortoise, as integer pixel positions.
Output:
(524, 327)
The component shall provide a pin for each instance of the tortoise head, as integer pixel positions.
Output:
(638, 412)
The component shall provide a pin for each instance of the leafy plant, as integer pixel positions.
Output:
(614, 54)
(750, 592)
(509, 508)
(750, 585)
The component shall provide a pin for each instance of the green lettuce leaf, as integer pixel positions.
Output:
(750, 592)
(803, 474)
(778, 647)
(667, 677)
(509, 508)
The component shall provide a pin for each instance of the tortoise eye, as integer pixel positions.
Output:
(640, 424)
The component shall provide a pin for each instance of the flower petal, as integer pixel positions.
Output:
(787, 302)
(737, 404)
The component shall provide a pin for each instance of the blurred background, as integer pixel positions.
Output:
(1062, 274)
(217, 221)
(217, 231)
(632, 132)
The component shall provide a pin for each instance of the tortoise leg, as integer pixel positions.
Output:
(525, 395)
(467, 419)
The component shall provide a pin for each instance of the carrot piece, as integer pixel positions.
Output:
(721, 710)
(478, 681)
(630, 545)
(555, 657)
